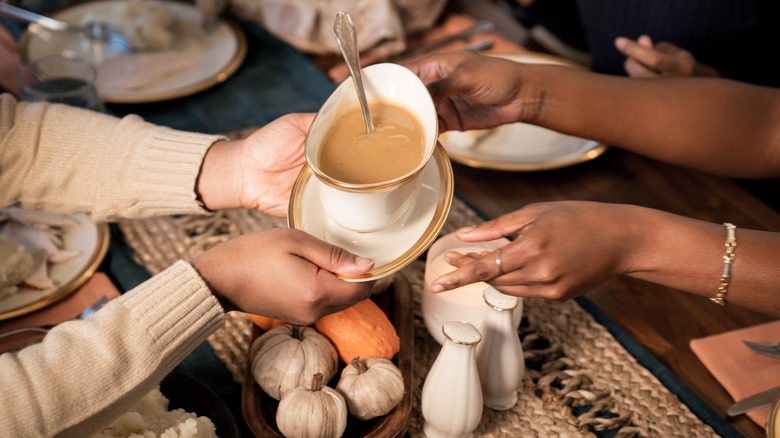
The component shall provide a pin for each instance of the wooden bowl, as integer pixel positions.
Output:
(259, 409)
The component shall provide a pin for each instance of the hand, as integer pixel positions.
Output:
(257, 172)
(9, 62)
(471, 91)
(562, 250)
(664, 59)
(283, 273)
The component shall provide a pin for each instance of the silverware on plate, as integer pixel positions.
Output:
(755, 401)
(94, 31)
(771, 349)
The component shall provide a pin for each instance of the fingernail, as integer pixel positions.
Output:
(436, 288)
(363, 261)
(621, 42)
(467, 229)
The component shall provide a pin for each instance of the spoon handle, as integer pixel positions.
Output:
(346, 38)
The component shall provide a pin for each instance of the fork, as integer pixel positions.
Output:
(45, 329)
(771, 349)
(95, 31)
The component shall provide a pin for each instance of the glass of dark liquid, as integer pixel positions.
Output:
(61, 79)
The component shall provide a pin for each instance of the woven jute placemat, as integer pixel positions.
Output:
(578, 380)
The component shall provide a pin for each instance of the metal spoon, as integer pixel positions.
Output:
(346, 37)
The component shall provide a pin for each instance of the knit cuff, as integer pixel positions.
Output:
(179, 311)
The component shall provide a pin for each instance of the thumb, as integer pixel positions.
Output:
(333, 258)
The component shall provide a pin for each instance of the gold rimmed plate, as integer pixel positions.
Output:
(197, 60)
(773, 424)
(521, 146)
(91, 241)
(394, 246)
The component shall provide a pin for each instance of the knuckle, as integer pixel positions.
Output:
(484, 270)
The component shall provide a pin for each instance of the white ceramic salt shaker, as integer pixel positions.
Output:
(451, 396)
(500, 358)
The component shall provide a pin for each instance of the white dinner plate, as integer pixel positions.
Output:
(91, 241)
(198, 59)
(392, 247)
(520, 146)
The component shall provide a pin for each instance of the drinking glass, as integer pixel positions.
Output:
(60, 79)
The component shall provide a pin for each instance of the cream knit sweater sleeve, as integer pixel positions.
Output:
(64, 159)
(86, 373)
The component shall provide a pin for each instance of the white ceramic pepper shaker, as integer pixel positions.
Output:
(500, 358)
(451, 395)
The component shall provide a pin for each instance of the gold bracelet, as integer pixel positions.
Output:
(728, 260)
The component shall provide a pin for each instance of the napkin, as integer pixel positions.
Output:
(741, 371)
(65, 309)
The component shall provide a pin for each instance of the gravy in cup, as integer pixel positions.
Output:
(368, 182)
(395, 148)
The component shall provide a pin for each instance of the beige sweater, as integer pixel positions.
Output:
(86, 373)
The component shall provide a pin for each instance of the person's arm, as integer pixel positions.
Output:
(565, 249)
(86, 373)
(70, 160)
(712, 124)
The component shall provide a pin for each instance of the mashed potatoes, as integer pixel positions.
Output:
(150, 418)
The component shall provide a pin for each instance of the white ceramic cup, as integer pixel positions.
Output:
(465, 303)
(370, 207)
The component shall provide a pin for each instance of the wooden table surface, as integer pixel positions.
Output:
(661, 319)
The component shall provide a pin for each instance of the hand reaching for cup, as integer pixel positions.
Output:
(466, 95)
(645, 60)
(257, 172)
(565, 249)
(546, 259)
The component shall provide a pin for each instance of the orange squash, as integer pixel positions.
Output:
(362, 330)
(264, 322)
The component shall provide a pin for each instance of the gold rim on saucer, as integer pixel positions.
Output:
(101, 247)
(444, 202)
(773, 423)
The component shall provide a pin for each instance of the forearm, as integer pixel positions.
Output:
(69, 160)
(86, 373)
(718, 126)
(687, 254)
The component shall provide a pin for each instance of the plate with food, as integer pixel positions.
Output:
(179, 406)
(377, 398)
(178, 53)
(46, 257)
(520, 146)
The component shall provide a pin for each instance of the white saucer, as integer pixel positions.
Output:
(392, 247)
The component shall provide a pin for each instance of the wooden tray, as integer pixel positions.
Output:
(259, 409)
